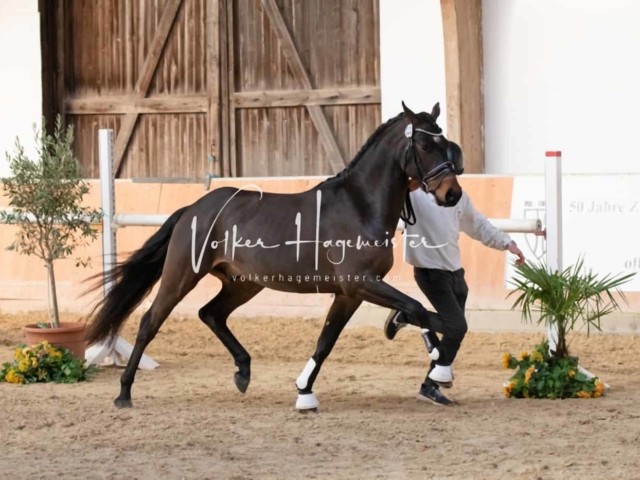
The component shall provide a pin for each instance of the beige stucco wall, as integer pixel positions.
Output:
(23, 287)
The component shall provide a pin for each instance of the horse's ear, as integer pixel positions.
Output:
(435, 113)
(413, 118)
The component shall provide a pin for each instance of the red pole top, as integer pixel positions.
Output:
(554, 154)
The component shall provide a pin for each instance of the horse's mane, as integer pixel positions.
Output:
(374, 138)
(371, 141)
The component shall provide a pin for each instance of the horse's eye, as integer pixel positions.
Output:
(425, 147)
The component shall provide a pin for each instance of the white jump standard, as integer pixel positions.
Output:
(100, 352)
(553, 213)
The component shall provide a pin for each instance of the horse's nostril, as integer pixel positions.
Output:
(450, 197)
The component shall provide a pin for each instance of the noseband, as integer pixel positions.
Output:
(439, 171)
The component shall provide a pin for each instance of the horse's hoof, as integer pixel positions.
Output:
(241, 382)
(123, 403)
(312, 410)
(307, 402)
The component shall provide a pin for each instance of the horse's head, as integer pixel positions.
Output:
(431, 158)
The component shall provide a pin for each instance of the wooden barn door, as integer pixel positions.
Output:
(149, 69)
(265, 87)
(303, 88)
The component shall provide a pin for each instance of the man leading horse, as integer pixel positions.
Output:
(438, 272)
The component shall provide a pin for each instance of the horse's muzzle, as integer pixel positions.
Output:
(451, 198)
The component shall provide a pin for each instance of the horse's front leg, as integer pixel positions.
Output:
(384, 295)
(341, 311)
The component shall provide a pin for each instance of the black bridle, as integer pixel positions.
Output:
(408, 215)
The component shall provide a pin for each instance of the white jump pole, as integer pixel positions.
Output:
(553, 207)
(98, 353)
(553, 212)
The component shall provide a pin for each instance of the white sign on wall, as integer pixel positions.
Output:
(601, 222)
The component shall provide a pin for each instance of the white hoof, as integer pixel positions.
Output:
(442, 374)
(307, 401)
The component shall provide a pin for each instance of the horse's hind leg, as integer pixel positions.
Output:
(341, 311)
(169, 295)
(215, 313)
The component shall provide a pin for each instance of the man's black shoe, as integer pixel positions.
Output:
(392, 325)
(433, 395)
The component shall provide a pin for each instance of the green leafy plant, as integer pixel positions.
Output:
(43, 363)
(563, 299)
(542, 375)
(46, 202)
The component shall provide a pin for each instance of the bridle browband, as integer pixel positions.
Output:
(439, 171)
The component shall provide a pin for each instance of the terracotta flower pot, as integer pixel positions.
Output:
(69, 335)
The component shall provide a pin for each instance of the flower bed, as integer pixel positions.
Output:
(541, 375)
(45, 363)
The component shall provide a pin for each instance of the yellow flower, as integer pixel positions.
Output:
(34, 363)
(506, 358)
(524, 355)
(529, 374)
(12, 377)
(18, 354)
(508, 388)
(597, 394)
(583, 394)
(23, 365)
(41, 374)
(599, 386)
(572, 373)
(536, 357)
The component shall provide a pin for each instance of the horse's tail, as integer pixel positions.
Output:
(132, 281)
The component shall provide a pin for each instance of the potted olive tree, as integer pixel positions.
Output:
(45, 200)
(565, 301)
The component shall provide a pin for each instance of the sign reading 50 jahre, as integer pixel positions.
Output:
(601, 221)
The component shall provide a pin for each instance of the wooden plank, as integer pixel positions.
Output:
(471, 86)
(50, 106)
(129, 49)
(213, 81)
(452, 68)
(462, 25)
(300, 73)
(60, 63)
(144, 79)
(224, 87)
(126, 105)
(295, 98)
(231, 85)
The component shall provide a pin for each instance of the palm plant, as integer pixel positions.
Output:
(565, 298)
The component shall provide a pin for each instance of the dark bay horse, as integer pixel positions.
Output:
(337, 238)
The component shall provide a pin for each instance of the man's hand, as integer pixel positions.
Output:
(513, 248)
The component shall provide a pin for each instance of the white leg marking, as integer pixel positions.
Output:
(307, 402)
(303, 379)
(442, 374)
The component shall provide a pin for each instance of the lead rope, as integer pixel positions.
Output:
(409, 218)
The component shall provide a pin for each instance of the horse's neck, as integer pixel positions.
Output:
(378, 185)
